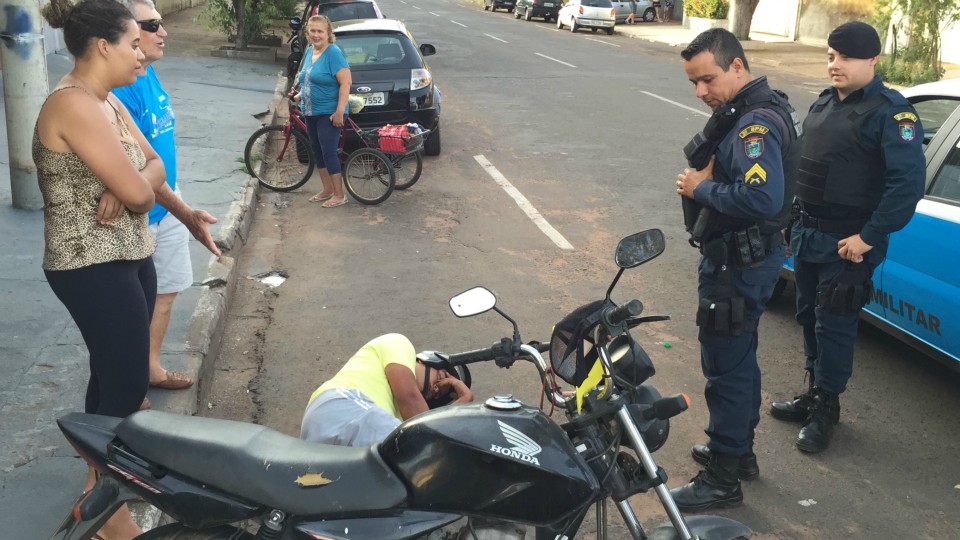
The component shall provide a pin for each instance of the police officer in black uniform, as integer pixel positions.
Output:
(736, 201)
(860, 177)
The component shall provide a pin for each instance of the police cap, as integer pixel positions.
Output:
(855, 39)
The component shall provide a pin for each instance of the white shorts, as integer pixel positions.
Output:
(346, 418)
(172, 257)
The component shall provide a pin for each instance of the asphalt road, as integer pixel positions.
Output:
(588, 129)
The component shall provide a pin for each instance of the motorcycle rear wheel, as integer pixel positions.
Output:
(176, 531)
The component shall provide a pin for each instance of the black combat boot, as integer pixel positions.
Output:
(717, 486)
(797, 410)
(748, 468)
(815, 434)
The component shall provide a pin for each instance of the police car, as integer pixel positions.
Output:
(916, 293)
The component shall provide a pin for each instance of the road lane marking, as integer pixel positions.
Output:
(670, 101)
(524, 204)
(434, 14)
(602, 41)
(455, 22)
(415, 7)
(496, 38)
(555, 60)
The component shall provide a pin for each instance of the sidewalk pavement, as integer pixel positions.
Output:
(767, 50)
(44, 366)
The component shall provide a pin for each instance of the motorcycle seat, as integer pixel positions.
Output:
(264, 466)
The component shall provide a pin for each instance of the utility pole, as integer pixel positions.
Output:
(25, 86)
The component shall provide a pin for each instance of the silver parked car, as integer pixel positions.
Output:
(645, 10)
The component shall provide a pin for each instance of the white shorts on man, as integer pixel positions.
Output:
(172, 256)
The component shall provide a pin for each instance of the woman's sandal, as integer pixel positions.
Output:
(334, 204)
(174, 381)
(319, 198)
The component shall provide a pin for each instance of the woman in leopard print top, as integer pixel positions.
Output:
(97, 174)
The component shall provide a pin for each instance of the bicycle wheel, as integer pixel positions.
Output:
(407, 169)
(271, 158)
(368, 176)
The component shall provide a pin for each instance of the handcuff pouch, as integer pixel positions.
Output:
(848, 291)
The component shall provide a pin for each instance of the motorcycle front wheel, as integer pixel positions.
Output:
(176, 531)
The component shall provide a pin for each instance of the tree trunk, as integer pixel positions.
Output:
(239, 8)
(741, 15)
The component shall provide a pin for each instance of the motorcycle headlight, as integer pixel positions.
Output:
(630, 362)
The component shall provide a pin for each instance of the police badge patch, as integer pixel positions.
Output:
(753, 146)
(908, 125)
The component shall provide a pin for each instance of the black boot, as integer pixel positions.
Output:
(716, 486)
(747, 469)
(815, 434)
(797, 410)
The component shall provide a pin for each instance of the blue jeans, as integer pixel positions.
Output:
(325, 140)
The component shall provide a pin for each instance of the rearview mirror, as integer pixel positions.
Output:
(473, 302)
(639, 248)
(427, 49)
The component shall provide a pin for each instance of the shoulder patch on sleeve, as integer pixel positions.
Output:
(753, 129)
(755, 176)
(906, 115)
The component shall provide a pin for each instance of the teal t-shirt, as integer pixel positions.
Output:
(320, 90)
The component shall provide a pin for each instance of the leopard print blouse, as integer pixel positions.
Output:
(71, 193)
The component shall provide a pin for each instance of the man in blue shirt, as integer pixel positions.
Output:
(861, 174)
(171, 218)
(737, 177)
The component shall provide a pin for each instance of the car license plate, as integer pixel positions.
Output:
(375, 99)
(548, 4)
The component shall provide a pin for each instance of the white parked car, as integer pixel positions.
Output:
(593, 14)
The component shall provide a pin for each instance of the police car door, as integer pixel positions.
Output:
(919, 285)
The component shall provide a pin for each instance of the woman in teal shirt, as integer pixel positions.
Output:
(325, 86)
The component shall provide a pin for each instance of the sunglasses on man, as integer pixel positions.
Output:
(151, 25)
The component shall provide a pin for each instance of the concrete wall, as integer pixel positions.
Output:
(819, 17)
(951, 44)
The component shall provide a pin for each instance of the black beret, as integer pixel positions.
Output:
(855, 39)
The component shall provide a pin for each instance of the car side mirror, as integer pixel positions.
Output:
(427, 49)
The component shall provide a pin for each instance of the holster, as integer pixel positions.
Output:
(722, 313)
(848, 291)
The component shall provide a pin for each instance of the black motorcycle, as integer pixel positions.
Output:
(495, 462)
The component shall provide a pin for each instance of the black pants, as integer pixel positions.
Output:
(112, 304)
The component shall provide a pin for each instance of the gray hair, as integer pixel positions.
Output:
(131, 4)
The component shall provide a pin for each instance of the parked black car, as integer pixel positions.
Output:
(493, 5)
(342, 10)
(546, 9)
(390, 73)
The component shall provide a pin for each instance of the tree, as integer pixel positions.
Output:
(244, 19)
(921, 23)
(741, 16)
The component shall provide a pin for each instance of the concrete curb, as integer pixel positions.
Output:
(206, 325)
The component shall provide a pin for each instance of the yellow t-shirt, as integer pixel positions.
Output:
(365, 370)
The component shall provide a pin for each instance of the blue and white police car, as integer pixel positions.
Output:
(917, 288)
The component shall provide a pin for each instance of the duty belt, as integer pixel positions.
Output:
(841, 226)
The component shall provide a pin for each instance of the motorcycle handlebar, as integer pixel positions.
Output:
(615, 316)
(479, 355)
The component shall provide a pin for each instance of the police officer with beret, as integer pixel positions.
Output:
(736, 202)
(860, 177)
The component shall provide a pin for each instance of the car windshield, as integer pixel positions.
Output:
(597, 3)
(933, 112)
(374, 50)
(344, 12)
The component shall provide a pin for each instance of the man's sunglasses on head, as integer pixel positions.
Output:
(151, 25)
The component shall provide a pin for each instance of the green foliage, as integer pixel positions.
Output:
(222, 15)
(707, 9)
(920, 24)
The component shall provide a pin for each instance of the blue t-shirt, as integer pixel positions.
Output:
(149, 105)
(320, 92)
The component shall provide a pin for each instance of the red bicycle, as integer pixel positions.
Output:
(369, 174)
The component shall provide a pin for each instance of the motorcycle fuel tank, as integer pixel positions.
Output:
(501, 459)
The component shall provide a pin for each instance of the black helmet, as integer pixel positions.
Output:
(434, 360)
